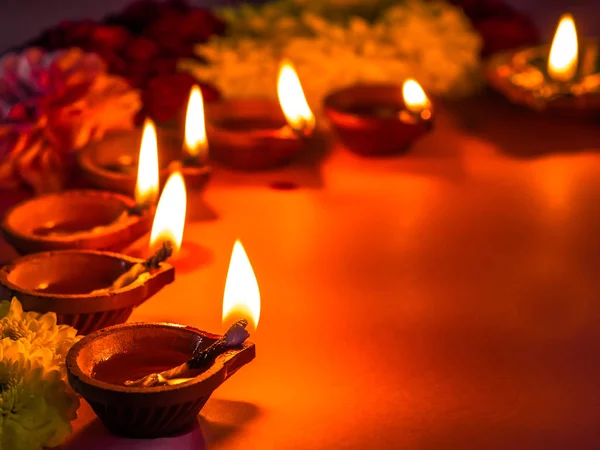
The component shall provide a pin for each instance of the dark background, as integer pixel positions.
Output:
(21, 20)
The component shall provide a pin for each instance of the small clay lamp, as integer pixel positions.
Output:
(561, 78)
(379, 119)
(112, 162)
(260, 134)
(86, 289)
(151, 380)
(86, 219)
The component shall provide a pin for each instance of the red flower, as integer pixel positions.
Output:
(109, 37)
(166, 96)
(141, 49)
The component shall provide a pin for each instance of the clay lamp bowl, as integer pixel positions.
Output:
(75, 285)
(562, 78)
(379, 119)
(100, 363)
(82, 219)
(112, 162)
(251, 134)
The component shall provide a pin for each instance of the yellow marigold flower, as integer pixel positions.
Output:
(36, 406)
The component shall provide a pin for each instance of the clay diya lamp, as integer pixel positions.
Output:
(114, 162)
(563, 78)
(86, 289)
(82, 219)
(260, 134)
(151, 380)
(379, 119)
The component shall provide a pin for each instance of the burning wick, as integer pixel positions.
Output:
(139, 269)
(241, 297)
(199, 362)
(195, 145)
(293, 102)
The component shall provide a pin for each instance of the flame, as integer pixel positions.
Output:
(414, 96)
(242, 297)
(196, 144)
(563, 59)
(169, 220)
(146, 187)
(292, 99)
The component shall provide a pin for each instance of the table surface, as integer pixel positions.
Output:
(447, 299)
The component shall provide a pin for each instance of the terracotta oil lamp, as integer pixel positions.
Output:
(112, 163)
(151, 380)
(379, 120)
(563, 77)
(87, 219)
(260, 134)
(86, 289)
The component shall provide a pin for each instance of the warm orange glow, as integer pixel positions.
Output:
(242, 297)
(196, 144)
(292, 99)
(146, 187)
(169, 220)
(414, 96)
(563, 59)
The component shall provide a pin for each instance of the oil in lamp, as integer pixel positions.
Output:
(152, 379)
(260, 134)
(563, 77)
(379, 119)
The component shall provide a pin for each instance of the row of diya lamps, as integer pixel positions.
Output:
(563, 77)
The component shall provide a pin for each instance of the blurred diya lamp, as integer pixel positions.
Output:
(86, 289)
(563, 77)
(86, 219)
(379, 119)
(112, 162)
(151, 380)
(81, 219)
(260, 134)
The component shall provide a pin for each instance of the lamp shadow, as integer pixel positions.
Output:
(226, 418)
(521, 132)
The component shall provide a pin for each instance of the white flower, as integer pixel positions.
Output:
(36, 406)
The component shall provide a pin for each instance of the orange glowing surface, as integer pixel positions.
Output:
(169, 220)
(196, 144)
(146, 187)
(563, 59)
(292, 99)
(241, 299)
(414, 96)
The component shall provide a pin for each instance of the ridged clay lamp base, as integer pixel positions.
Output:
(111, 163)
(100, 363)
(82, 219)
(251, 134)
(372, 120)
(64, 282)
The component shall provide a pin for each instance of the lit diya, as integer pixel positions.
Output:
(562, 77)
(86, 289)
(151, 380)
(112, 162)
(86, 219)
(260, 134)
(379, 119)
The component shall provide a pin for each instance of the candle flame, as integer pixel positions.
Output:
(241, 299)
(292, 99)
(169, 220)
(563, 59)
(146, 187)
(196, 144)
(414, 96)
